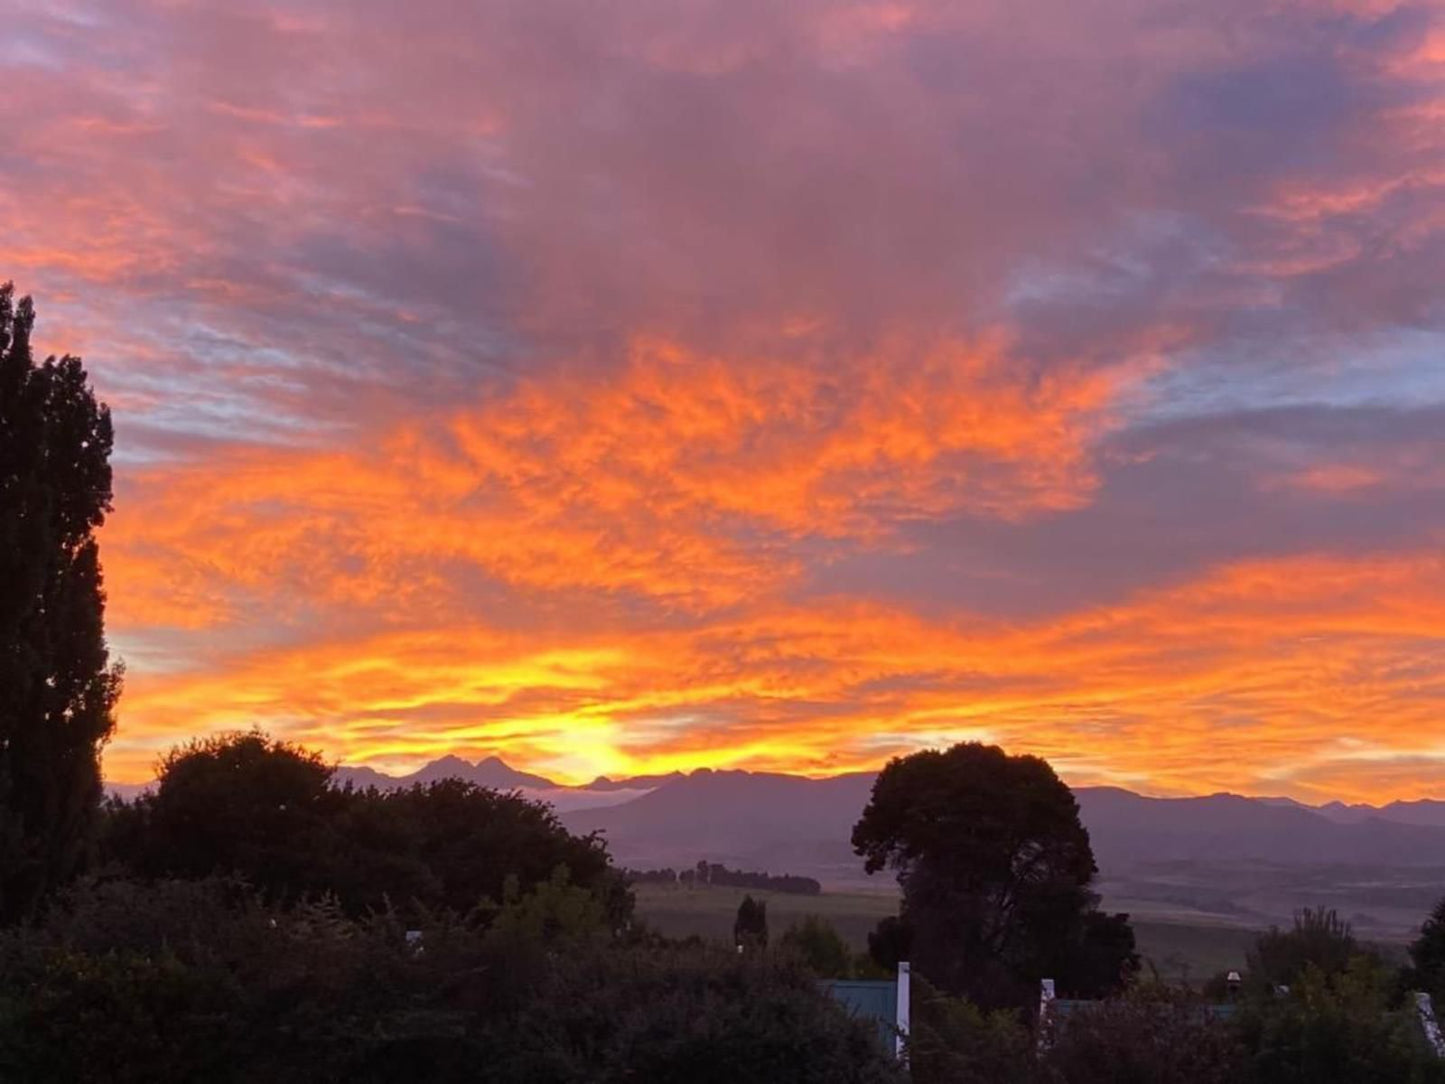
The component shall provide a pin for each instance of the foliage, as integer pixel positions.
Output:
(890, 943)
(555, 909)
(233, 803)
(266, 810)
(954, 1040)
(751, 926)
(467, 840)
(1427, 954)
(691, 1014)
(1330, 1028)
(718, 876)
(1318, 938)
(995, 867)
(206, 980)
(820, 946)
(1337, 1027)
(1151, 1035)
(57, 687)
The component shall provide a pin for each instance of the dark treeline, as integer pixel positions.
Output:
(712, 873)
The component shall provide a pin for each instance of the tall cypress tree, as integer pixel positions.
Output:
(57, 685)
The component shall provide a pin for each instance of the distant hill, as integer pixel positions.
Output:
(749, 820)
(361, 777)
(1425, 811)
(635, 782)
(491, 772)
(755, 817)
(786, 823)
(496, 773)
(1220, 858)
(1217, 859)
(1128, 829)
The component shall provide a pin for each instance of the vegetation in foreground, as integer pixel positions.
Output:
(206, 980)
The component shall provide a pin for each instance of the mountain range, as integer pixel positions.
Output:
(1217, 858)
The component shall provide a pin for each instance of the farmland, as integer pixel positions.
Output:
(1178, 950)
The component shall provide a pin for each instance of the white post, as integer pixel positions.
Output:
(1426, 1010)
(903, 1006)
(1046, 1014)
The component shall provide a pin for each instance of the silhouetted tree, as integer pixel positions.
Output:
(751, 926)
(719, 876)
(240, 803)
(995, 868)
(890, 943)
(57, 687)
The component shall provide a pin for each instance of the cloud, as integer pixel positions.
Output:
(884, 370)
(689, 481)
(1258, 677)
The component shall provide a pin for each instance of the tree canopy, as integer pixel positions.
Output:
(266, 810)
(751, 925)
(57, 685)
(1319, 938)
(820, 945)
(995, 868)
(1427, 954)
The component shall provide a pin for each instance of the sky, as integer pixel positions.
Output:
(628, 385)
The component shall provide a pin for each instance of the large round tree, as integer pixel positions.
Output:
(57, 687)
(995, 868)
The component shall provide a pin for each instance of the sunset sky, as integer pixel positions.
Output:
(624, 385)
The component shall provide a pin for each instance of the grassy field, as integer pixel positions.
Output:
(709, 912)
(1179, 951)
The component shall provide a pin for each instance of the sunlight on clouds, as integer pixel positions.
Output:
(635, 387)
(1212, 685)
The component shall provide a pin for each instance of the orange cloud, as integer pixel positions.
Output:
(680, 477)
(631, 387)
(1261, 677)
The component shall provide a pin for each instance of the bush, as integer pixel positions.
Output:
(954, 1040)
(1337, 1027)
(1319, 938)
(1151, 1035)
(820, 946)
(206, 980)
